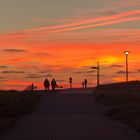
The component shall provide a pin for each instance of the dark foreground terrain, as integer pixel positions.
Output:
(69, 115)
(122, 101)
(14, 105)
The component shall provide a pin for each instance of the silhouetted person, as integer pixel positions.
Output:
(47, 84)
(53, 84)
(85, 83)
(70, 81)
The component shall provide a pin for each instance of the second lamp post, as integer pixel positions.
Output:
(98, 73)
(127, 72)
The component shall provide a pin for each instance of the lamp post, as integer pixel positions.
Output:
(98, 73)
(127, 72)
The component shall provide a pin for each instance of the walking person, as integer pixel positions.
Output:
(47, 84)
(53, 84)
(85, 83)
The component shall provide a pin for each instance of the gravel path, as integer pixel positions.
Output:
(67, 116)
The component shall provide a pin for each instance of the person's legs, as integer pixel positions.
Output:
(45, 88)
(52, 87)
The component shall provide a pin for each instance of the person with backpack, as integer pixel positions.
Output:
(53, 84)
(47, 84)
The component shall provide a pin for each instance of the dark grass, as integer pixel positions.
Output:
(13, 105)
(123, 102)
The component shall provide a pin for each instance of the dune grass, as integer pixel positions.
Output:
(123, 102)
(14, 105)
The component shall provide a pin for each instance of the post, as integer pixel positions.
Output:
(127, 71)
(126, 68)
(98, 74)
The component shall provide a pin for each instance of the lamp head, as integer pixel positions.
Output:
(126, 52)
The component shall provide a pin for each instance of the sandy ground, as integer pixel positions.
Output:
(70, 115)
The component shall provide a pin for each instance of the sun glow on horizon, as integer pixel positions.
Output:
(111, 60)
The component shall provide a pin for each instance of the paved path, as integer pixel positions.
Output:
(67, 116)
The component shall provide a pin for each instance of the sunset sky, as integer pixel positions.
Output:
(63, 38)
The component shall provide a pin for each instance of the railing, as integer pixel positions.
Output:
(31, 87)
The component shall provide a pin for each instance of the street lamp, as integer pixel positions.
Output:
(127, 72)
(98, 73)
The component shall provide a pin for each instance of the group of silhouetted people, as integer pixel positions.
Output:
(53, 84)
(47, 84)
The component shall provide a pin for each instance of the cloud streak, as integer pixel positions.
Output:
(14, 50)
(122, 72)
(36, 76)
(117, 66)
(117, 18)
(13, 72)
(3, 67)
(84, 72)
(91, 21)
